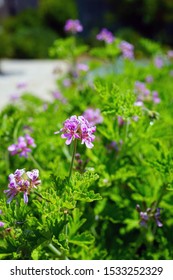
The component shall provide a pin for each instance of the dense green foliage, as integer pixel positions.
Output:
(150, 18)
(30, 33)
(93, 215)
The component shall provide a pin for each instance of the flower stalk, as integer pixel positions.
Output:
(73, 157)
(54, 250)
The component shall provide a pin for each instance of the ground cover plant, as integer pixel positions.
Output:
(89, 175)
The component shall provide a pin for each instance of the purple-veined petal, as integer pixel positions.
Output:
(33, 175)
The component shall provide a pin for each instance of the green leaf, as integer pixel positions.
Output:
(84, 239)
(87, 197)
(75, 221)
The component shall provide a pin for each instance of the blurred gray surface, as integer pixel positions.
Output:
(38, 75)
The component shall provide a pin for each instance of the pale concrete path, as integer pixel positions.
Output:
(35, 76)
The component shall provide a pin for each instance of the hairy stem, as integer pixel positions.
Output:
(72, 161)
(42, 196)
(54, 250)
(35, 162)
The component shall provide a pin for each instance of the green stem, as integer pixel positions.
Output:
(1, 67)
(54, 250)
(126, 130)
(73, 156)
(42, 196)
(162, 193)
(66, 226)
(35, 162)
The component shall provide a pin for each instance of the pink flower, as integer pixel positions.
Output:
(2, 224)
(93, 116)
(139, 103)
(140, 88)
(121, 121)
(22, 147)
(155, 97)
(29, 140)
(149, 79)
(78, 128)
(86, 135)
(14, 97)
(144, 94)
(22, 181)
(33, 176)
(73, 26)
(127, 49)
(66, 83)
(106, 36)
(170, 54)
(82, 67)
(158, 62)
(70, 129)
(21, 85)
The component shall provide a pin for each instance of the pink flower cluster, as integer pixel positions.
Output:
(78, 128)
(22, 182)
(144, 94)
(106, 36)
(66, 83)
(93, 116)
(21, 87)
(158, 61)
(82, 67)
(22, 147)
(155, 97)
(149, 214)
(149, 79)
(73, 26)
(127, 50)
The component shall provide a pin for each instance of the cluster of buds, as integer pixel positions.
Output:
(73, 26)
(23, 146)
(127, 50)
(78, 128)
(22, 182)
(106, 36)
(149, 214)
(144, 94)
(114, 146)
(80, 163)
(93, 116)
(121, 121)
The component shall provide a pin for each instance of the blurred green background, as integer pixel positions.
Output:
(28, 28)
